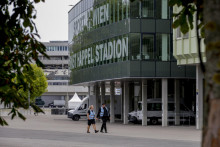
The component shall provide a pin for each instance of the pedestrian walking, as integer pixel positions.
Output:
(91, 119)
(104, 115)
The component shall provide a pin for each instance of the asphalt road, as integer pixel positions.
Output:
(50, 138)
(36, 132)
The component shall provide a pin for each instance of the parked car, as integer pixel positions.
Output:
(154, 112)
(80, 111)
(39, 102)
(57, 103)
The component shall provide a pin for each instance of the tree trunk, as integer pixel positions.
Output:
(211, 130)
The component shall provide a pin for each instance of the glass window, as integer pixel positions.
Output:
(125, 9)
(163, 47)
(148, 47)
(115, 9)
(119, 10)
(186, 35)
(171, 107)
(111, 3)
(135, 46)
(162, 9)
(148, 8)
(178, 33)
(134, 9)
(154, 107)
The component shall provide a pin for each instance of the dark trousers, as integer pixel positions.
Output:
(104, 120)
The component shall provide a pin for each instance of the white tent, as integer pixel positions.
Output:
(74, 102)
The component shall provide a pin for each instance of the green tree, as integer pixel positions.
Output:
(38, 83)
(18, 47)
(207, 19)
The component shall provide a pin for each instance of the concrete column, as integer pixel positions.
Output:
(97, 93)
(89, 94)
(112, 102)
(126, 102)
(164, 102)
(66, 101)
(177, 101)
(122, 101)
(144, 102)
(199, 98)
(89, 90)
(102, 92)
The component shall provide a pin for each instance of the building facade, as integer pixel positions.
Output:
(185, 48)
(127, 45)
(56, 70)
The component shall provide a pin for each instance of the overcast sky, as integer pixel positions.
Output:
(52, 19)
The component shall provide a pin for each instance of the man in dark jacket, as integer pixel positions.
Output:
(104, 115)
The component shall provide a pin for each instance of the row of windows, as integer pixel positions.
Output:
(81, 7)
(150, 9)
(180, 35)
(57, 83)
(65, 66)
(150, 47)
(140, 47)
(54, 58)
(58, 77)
(117, 11)
(57, 48)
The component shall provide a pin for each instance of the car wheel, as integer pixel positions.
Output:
(135, 121)
(76, 118)
(154, 121)
(73, 118)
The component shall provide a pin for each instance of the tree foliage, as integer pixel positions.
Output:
(18, 47)
(184, 18)
(38, 83)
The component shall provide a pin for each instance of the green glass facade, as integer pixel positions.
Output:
(116, 39)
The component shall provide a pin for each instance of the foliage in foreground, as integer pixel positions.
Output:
(18, 47)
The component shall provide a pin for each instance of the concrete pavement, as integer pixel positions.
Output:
(47, 130)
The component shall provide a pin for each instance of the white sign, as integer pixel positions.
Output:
(117, 91)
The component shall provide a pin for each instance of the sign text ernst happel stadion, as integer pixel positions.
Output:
(101, 52)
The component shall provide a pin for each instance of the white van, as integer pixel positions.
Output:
(154, 112)
(80, 111)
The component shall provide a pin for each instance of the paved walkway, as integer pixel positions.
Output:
(50, 130)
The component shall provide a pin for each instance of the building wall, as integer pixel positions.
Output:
(185, 47)
(56, 70)
(127, 40)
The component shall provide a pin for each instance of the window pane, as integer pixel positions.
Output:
(124, 9)
(120, 10)
(178, 33)
(163, 47)
(134, 9)
(148, 47)
(148, 8)
(162, 9)
(135, 46)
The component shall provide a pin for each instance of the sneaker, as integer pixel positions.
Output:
(88, 132)
(96, 131)
(101, 131)
(106, 132)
